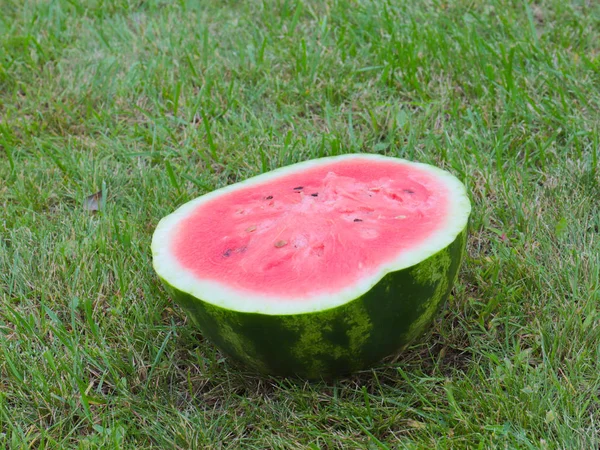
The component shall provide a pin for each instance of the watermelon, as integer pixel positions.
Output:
(320, 268)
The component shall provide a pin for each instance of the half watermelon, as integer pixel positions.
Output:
(319, 268)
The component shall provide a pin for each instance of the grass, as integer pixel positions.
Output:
(157, 102)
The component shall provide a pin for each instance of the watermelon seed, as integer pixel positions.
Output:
(408, 191)
(316, 194)
(396, 197)
(251, 228)
(280, 244)
(227, 253)
(241, 249)
(299, 188)
(358, 220)
(270, 197)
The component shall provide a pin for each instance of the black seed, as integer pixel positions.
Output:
(408, 191)
(270, 197)
(316, 194)
(358, 220)
(299, 188)
(227, 253)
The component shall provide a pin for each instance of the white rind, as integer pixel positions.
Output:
(168, 268)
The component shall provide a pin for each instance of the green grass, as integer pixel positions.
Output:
(157, 102)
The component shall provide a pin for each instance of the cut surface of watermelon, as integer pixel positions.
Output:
(310, 236)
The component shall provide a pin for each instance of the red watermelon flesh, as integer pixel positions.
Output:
(314, 232)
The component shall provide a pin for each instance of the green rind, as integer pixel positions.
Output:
(340, 340)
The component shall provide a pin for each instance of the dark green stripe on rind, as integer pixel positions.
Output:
(340, 340)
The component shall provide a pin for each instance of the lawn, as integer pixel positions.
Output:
(156, 102)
